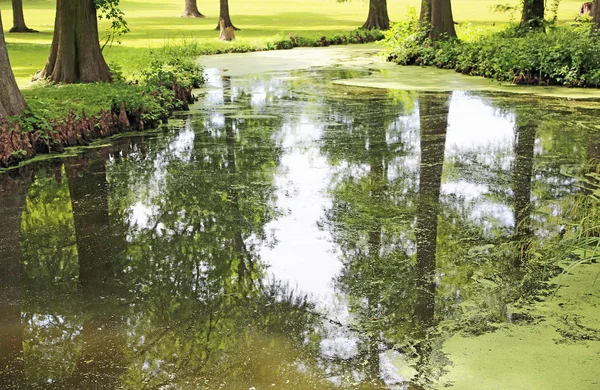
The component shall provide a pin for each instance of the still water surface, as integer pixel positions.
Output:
(286, 233)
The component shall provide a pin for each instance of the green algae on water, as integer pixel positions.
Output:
(560, 350)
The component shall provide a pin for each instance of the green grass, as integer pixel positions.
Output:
(53, 102)
(155, 23)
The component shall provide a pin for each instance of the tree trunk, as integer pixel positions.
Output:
(11, 100)
(533, 13)
(18, 18)
(75, 55)
(596, 13)
(442, 21)
(12, 200)
(425, 16)
(224, 14)
(378, 16)
(191, 10)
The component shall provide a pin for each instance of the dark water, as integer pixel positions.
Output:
(289, 234)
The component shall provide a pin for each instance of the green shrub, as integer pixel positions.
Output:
(563, 55)
(149, 93)
(407, 43)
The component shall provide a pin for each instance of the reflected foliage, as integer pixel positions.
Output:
(141, 264)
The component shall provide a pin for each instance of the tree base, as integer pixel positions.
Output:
(377, 21)
(193, 15)
(376, 26)
(22, 30)
(227, 34)
(232, 26)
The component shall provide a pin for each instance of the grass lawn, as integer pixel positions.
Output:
(155, 23)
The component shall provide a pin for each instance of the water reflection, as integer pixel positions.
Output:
(290, 234)
(433, 113)
(12, 363)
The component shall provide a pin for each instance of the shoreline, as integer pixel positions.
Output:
(78, 128)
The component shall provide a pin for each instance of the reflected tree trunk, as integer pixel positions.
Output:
(378, 182)
(378, 172)
(244, 259)
(89, 201)
(433, 112)
(13, 192)
(593, 150)
(245, 264)
(101, 362)
(374, 366)
(592, 183)
(523, 171)
(593, 155)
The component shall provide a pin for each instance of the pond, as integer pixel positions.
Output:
(291, 232)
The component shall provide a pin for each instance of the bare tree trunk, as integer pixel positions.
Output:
(442, 21)
(18, 18)
(224, 14)
(191, 10)
(533, 13)
(75, 55)
(596, 13)
(378, 16)
(11, 100)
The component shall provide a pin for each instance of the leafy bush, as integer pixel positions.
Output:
(407, 43)
(172, 65)
(151, 94)
(563, 55)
